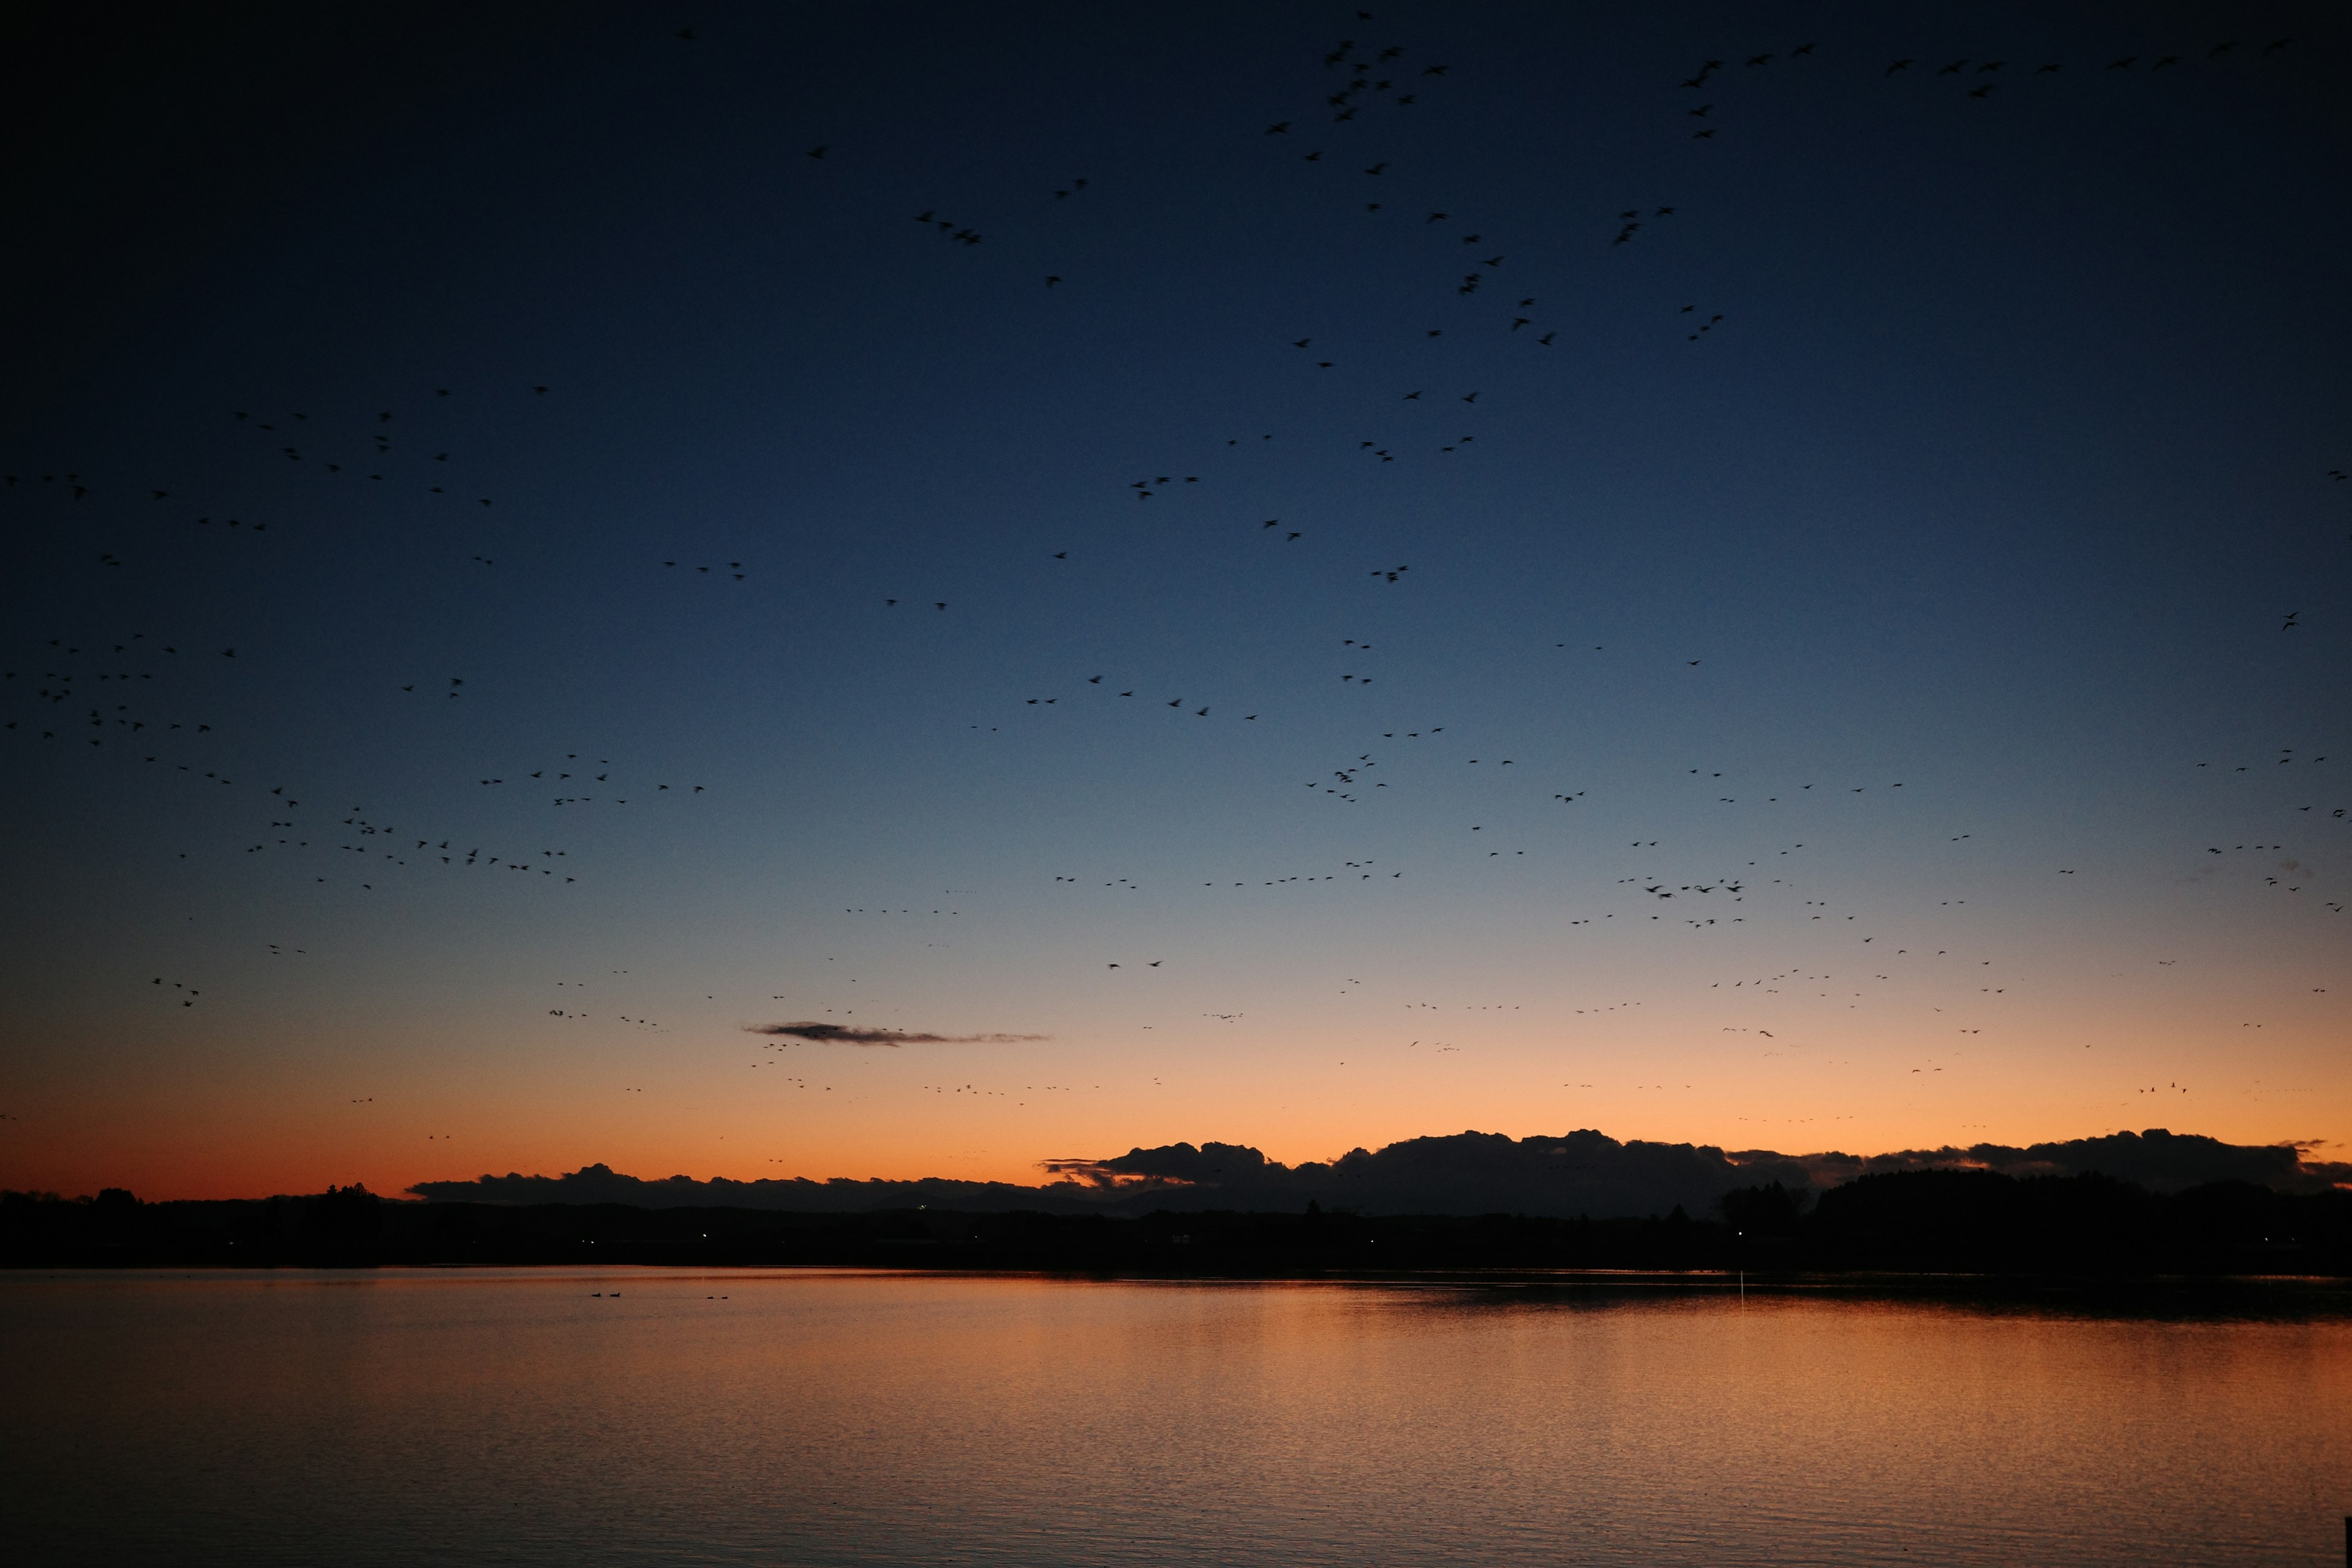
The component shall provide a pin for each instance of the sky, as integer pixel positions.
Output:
(546, 546)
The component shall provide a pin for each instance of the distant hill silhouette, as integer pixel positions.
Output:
(2120, 1205)
(1582, 1172)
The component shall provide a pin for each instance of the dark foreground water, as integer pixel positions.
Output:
(874, 1418)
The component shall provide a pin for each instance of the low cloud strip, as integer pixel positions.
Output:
(847, 1035)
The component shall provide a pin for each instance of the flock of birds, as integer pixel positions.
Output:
(104, 693)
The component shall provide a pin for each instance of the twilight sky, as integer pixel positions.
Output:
(1891, 715)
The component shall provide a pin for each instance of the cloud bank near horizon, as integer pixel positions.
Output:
(844, 1035)
(1580, 1173)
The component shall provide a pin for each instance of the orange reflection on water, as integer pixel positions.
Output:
(831, 1417)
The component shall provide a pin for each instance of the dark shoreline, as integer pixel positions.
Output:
(2084, 1231)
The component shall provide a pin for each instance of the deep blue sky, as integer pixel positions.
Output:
(1999, 478)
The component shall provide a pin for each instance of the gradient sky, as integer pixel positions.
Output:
(1955, 629)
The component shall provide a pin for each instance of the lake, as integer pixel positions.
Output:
(872, 1418)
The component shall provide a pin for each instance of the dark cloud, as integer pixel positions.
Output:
(2158, 1159)
(844, 1035)
(601, 1183)
(1212, 1165)
(1571, 1173)
(1581, 1172)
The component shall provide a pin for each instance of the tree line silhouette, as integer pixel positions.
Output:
(1913, 1222)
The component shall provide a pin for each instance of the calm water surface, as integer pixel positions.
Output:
(468, 1417)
